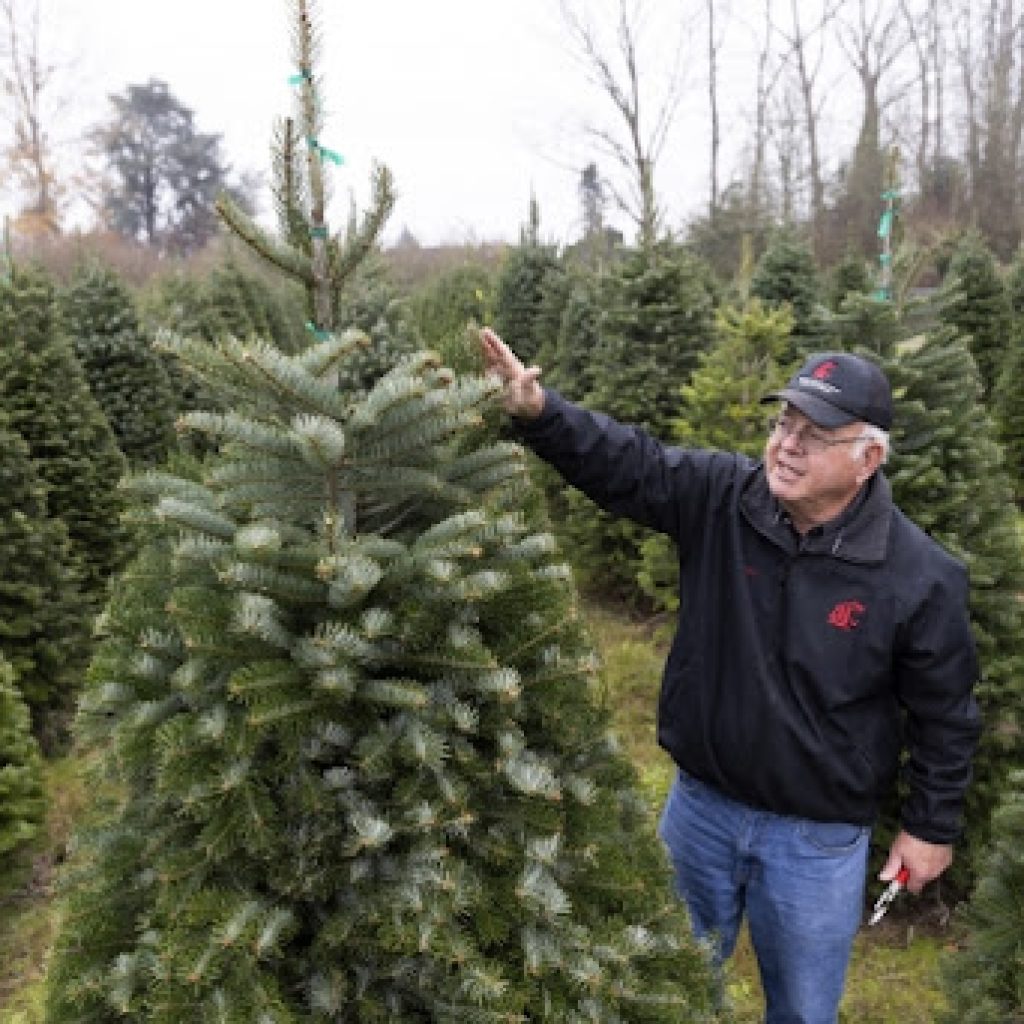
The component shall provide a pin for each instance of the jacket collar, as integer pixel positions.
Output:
(859, 534)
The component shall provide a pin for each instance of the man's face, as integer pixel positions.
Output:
(811, 470)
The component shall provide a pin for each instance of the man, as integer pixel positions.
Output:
(820, 634)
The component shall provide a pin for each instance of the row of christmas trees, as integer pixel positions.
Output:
(85, 393)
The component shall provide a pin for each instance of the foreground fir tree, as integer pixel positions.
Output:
(948, 475)
(983, 980)
(347, 708)
(21, 777)
(44, 623)
(46, 396)
(977, 304)
(127, 377)
(357, 768)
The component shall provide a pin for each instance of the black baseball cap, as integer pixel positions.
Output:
(836, 388)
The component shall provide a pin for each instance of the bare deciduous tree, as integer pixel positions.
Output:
(27, 80)
(618, 74)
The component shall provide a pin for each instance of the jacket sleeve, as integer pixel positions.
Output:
(936, 672)
(622, 468)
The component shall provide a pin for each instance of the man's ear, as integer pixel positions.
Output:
(870, 460)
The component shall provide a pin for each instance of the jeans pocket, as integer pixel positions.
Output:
(835, 837)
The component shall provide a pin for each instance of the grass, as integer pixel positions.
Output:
(28, 918)
(893, 976)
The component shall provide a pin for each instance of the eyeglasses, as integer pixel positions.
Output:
(805, 435)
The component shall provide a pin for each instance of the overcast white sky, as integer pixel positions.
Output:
(470, 102)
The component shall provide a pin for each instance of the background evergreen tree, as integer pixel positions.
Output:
(983, 979)
(850, 275)
(520, 289)
(44, 625)
(21, 782)
(571, 367)
(358, 768)
(127, 377)
(656, 316)
(786, 274)
(947, 474)
(462, 295)
(721, 408)
(977, 305)
(1008, 411)
(46, 396)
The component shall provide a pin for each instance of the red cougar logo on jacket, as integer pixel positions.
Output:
(846, 615)
(824, 371)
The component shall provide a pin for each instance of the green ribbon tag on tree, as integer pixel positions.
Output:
(885, 224)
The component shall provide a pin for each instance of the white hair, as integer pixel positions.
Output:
(871, 435)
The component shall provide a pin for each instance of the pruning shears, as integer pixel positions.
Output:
(891, 891)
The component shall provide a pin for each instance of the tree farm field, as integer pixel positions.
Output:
(893, 975)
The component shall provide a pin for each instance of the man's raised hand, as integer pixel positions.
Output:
(522, 396)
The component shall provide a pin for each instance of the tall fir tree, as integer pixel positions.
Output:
(983, 979)
(976, 303)
(721, 408)
(44, 623)
(21, 777)
(947, 474)
(786, 275)
(462, 295)
(1008, 395)
(47, 399)
(656, 317)
(127, 377)
(519, 293)
(359, 770)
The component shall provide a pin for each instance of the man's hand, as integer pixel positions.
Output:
(523, 396)
(924, 861)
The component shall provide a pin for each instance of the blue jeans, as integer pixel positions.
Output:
(800, 883)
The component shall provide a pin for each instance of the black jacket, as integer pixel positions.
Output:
(802, 665)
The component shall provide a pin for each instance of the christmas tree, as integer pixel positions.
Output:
(976, 303)
(721, 408)
(520, 288)
(44, 624)
(358, 769)
(45, 394)
(21, 787)
(126, 376)
(984, 979)
(947, 474)
(786, 275)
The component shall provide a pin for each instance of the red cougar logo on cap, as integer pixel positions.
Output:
(824, 371)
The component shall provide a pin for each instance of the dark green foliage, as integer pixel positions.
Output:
(519, 295)
(241, 302)
(349, 711)
(572, 369)
(850, 275)
(443, 308)
(46, 396)
(863, 322)
(786, 275)
(721, 408)
(1008, 411)
(44, 626)
(127, 377)
(948, 475)
(977, 305)
(656, 315)
(983, 980)
(371, 303)
(21, 782)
